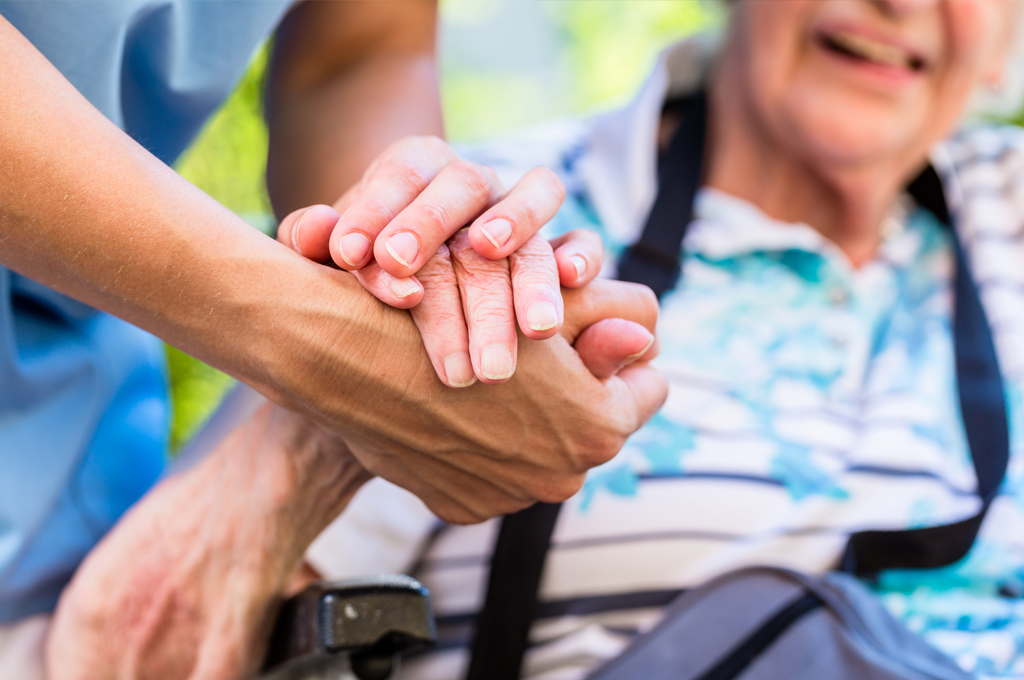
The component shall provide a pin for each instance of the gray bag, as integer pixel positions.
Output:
(763, 623)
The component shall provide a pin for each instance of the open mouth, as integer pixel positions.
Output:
(861, 48)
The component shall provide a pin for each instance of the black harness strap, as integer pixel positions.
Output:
(503, 628)
(982, 406)
(654, 260)
(524, 538)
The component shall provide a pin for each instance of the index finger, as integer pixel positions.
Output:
(459, 193)
(520, 214)
(389, 186)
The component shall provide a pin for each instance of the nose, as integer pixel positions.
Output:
(903, 8)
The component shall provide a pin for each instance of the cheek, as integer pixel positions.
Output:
(835, 127)
(803, 104)
(831, 125)
(978, 35)
(772, 43)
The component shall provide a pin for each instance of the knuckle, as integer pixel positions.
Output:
(647, 297)
(443, 323)
(439, 266)
(472, 176)
(414, 178)
(377, 210)
(604, 447)
(405, 173)
(539, 247)
(470, 265)
(527, 279)
(463, 514)
(561, 488)
(649, 304)
(587, 239)
(602, 440)
(486, 313)
(530, 214)
(593, 294)
(532, 254)
(430, 218)
(433, 144)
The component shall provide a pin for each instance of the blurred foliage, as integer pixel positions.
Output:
(557, 58)
(196, 390)
(227, 161)
(229, 157)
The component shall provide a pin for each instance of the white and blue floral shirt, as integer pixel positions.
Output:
(808, 399)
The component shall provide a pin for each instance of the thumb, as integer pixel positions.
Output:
(610, 345)
(607, 299)
(647, 388)
(308, 231)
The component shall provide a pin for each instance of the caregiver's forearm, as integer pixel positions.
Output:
(346, 80)
(87, 211)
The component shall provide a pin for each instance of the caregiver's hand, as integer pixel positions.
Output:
(488, 449)
(413, 198)
(466, 306)
(90, 213)
(418, 193)
(187, 583)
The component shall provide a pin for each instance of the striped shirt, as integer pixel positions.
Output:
(808, 399)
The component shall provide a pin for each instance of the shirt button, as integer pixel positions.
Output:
(891, 228)
(838, 295)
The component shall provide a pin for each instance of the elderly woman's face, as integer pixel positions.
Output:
(855, 81)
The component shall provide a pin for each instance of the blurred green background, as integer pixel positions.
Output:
(505, 64)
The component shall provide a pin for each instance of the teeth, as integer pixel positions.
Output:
(871, 50)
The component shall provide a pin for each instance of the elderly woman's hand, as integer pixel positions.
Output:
(417, 194)
(187, 583)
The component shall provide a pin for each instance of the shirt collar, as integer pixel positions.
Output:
(620, 166)
(726, 226)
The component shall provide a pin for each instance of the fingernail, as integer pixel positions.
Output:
(497, 232)
(295, 233)
(404, 287)
(496, 362)
(459, 369)
(580, 263)
(354, 248)
(541, 316)
(633, 357)
(403, 246)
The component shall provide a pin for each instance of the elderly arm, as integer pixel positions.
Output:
(187, 584)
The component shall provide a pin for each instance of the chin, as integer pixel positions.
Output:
(843, 134)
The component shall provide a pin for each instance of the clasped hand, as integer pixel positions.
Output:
(403, 231)
(187, 583)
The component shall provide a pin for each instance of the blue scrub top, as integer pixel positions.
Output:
(84, 407)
